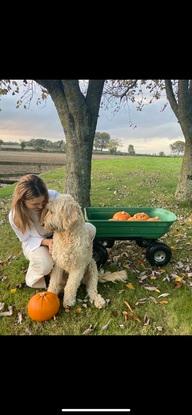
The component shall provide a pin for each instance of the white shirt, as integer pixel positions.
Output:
(31, 239)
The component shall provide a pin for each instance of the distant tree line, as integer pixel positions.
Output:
(39, 144)
(102, 141)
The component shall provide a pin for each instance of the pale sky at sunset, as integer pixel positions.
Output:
(154, 132)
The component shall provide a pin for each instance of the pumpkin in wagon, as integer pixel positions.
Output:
(43, 306)
(140, 216)
(121, 215)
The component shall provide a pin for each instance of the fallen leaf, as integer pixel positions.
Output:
(163, 295)
(13, 290)
(178, 279)
(106, 325)
(125, 314)
(130, 286)
(129, 307)
(7, 313)
(159, 328)
(78, 310)
(3, 278)
(20, 318)
(146, 320)
(143, 278)
(151, 288)
(141, 301)
(89, 329)
(178, 285)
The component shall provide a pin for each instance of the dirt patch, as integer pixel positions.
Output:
(14, 164)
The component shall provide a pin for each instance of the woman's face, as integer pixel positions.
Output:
(36, 204)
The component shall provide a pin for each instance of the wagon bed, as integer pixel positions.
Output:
(143, 232)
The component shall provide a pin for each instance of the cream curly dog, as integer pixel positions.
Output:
(71, 252)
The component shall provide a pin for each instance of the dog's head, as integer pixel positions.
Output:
(62, 213)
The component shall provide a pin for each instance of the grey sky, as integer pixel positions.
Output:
(155, 130)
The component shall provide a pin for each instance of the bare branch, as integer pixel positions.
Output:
(134, 83)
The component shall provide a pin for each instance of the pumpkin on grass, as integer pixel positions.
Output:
(121, 215)
(43, 306)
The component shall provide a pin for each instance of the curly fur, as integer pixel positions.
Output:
(71, 252)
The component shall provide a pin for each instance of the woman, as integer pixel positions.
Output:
(30, 197)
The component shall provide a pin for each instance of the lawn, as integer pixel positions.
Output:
(153, 301)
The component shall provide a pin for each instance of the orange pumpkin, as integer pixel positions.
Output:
(43, 306)
(132, 218)
(154, 219)
(141, 216)
(121, 215)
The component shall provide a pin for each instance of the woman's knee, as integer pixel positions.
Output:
(41, 262)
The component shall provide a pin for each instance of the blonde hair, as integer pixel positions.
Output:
(28, 187)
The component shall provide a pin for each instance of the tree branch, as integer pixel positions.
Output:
(171, 96)
(184, 98)
(183, 92)
(190, 87)
(134, 83)
(45, 83)
(94, 93)
(73, 94)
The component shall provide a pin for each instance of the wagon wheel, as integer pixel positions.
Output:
(100, 254)
(158, 254)
(144, 243)
(107, 243)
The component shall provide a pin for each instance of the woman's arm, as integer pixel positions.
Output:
(48, 243)
(29, 242)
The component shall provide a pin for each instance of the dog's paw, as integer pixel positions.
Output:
(53, 290)
(68, 302)
(99, 301)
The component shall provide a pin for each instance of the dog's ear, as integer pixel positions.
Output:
(71, 214)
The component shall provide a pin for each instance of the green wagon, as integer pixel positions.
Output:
(145, 233)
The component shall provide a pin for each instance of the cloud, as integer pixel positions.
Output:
(155, 130)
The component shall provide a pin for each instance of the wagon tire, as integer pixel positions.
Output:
(100, 254)
(158, 254)
(143, 243)
(108, 243)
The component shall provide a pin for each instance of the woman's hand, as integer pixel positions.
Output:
(48, 243)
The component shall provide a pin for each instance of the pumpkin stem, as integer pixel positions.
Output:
(42, 294)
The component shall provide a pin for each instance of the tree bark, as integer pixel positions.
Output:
(184, 187)
(182, 107)
(78, 115)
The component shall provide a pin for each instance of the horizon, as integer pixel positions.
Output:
(149, 131)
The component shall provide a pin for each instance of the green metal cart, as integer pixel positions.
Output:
(145, 233)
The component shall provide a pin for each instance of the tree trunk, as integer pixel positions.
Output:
(78, 115)
(79, 140)
(184, 187)
(181, 105)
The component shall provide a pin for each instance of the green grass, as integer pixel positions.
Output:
(127, 181)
